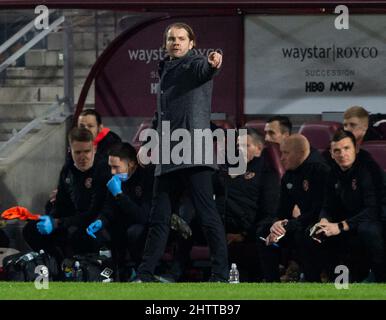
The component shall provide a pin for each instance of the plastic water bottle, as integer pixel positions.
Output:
(234, 274)
(78, 272)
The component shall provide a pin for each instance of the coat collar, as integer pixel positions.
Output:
(166, 64)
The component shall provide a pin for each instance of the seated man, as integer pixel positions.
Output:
(350, 217)
(248, 199)
(277, 128)
(103, 138)
(80, 199)
(302, 184)
(127, 209)
(356, 120)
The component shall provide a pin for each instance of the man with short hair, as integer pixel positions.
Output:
(302, 184)
(356, 120)
(277, 128)
(80, 198)
(104, 138)
(350, 217)
(127, 209)
(250, 197)
(184, 101)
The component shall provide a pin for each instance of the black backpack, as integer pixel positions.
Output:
(21, 266)
(91, 267)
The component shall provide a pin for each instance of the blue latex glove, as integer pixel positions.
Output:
(94, 227)
(115, 185)
(45, 225)
(123, 176)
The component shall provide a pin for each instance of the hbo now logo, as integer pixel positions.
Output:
(312, 86)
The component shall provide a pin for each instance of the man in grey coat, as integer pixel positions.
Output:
(183, 102)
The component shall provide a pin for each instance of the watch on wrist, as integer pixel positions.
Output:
(341, 226)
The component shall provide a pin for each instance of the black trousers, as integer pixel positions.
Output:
(198, 182)
(359, 250)
(61, 243)
(306, 251)
(127, 242)
(183, 247)
(4, 240)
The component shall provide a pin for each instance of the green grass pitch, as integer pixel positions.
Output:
(190, 291)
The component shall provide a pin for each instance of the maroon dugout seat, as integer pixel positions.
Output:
(272, 152)
(377, 148)
(319, 133)
(200, 253)
(259, 125)
(381, 129)
(135, 141)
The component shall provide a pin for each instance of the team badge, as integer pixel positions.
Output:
(354, 184)
(68, 180)
(306, 185)
(249, 175)
(138, 191)
(88, 183)
(289, 186)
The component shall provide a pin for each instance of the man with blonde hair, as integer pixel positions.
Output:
(356, 120)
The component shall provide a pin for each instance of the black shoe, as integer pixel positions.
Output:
(149, 278)
(136, 280)
(180, 226)
(165, 279)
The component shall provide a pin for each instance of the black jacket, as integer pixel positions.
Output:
(303, 187)
(352, 195)
(184, 99)
(377, 173)
(133, 205)
(106, 143)
(372, 134)
(81, 195)
(250, 197)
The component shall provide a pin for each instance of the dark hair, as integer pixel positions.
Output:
(180, 25)
(124, 151)
(92, 112)
(80, 134)
(257, 138)
(341, 134)
(284, 122)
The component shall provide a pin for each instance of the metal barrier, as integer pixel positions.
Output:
(50, 116)
(52, 26)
